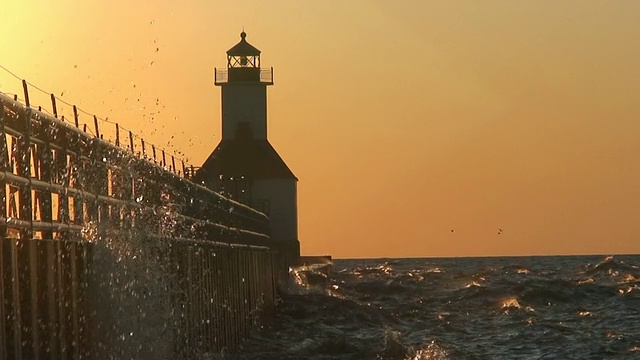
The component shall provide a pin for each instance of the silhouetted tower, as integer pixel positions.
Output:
(244, 165)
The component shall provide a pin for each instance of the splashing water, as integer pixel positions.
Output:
(399, 309)
(133, 305)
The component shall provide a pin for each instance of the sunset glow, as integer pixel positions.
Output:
(415, 130)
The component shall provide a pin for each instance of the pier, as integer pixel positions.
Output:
(109, 252)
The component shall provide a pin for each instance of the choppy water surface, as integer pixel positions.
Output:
(464, 308)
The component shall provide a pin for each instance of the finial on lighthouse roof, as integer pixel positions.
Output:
(243, 48)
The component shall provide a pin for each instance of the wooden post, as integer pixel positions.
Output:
(23, 148)
(95, 122)
(47, 167)
(117, 135)
(131, 142)
(27, 291)
(75, 116)
(11, 284)
(26, 93)
(64, 282)
(83, 313)
(144, 150)
(75, 318)
(53, 104)
(164, 159)
(153, 148)
(50, 258)
(3, 299)
(4, 166)
(173, 162)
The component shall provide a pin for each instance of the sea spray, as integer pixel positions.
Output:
(133, 289)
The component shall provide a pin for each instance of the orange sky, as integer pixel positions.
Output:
(401, 122)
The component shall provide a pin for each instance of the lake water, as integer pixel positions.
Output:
(569, 307)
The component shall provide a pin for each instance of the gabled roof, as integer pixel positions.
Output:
(243, 48)
(251, 158)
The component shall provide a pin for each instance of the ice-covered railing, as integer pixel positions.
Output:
(99, 127)
(58, 178)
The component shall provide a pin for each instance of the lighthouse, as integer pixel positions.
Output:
(245, 166)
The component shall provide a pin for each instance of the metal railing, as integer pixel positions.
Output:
(83, 220)
(59, 178)
(265, 76)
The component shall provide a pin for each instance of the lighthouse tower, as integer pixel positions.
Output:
(244, 166)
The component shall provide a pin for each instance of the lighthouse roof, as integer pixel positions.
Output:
(243, 48)
(252, 158)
